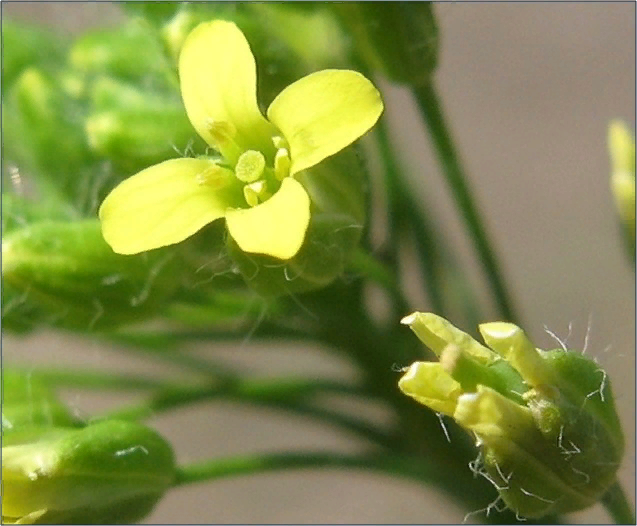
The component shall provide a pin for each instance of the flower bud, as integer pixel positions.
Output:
(545, 421)
(337, 190)
(109, 52)
(397, 39)
(19, 211)
(64, 273)
(28, 402)
(47, 137)
(25, 46)
(622, 153)
(111, 472)
(135, 128)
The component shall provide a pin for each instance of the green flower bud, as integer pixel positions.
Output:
(397, 39)
(19, 211)
(24, 46)
(47, 134)
(135, 128)
(545, 421)
(28, 402)
(621, 145)
(109, 52)
(111, 472)
(337, 190)
(64, 273)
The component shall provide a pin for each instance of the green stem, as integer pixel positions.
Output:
(85, 379)
(468, 492)
(374, 270)
(286, 394)
(160, 348)
(430, 108)
(618, 506)
(404, 212)
(409, 467)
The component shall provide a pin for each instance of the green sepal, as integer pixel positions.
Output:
(110, 472)
(64, 274)
(337, 190)
(470, 373)
(397, 39)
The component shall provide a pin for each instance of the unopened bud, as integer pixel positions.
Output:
(64, 274)
(111, 472)
(545, 421)
(27, 402)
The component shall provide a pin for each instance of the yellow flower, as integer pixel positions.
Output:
(253, 186)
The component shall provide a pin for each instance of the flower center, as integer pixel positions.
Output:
(260, 179)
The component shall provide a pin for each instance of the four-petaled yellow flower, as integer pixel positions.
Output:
(253, 186)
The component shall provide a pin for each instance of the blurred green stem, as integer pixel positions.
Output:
(283, 393)
(431, 111)
(375, 271)
(405, 213)
(88, 379)
(468, 492)
(617, 505)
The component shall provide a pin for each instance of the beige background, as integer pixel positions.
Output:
(528, 90)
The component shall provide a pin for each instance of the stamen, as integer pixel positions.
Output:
(282, 164)
(255, 192)
(251, 196)
(214, 176)
(222, 134)
(250, 166)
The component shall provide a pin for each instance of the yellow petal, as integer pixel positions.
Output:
(436, 333)
(166, 203)
(430, 385)
(323, 113)
(219, 85)
(274, 228)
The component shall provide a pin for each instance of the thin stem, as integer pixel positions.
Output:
(410, 467)
(375, 271)
(618, 506)
(159, 347)
(88, 379)
(468, 492)
(404, 212)
(430, 108)
(286, 394)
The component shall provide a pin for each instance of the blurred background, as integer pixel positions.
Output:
(529, 89)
